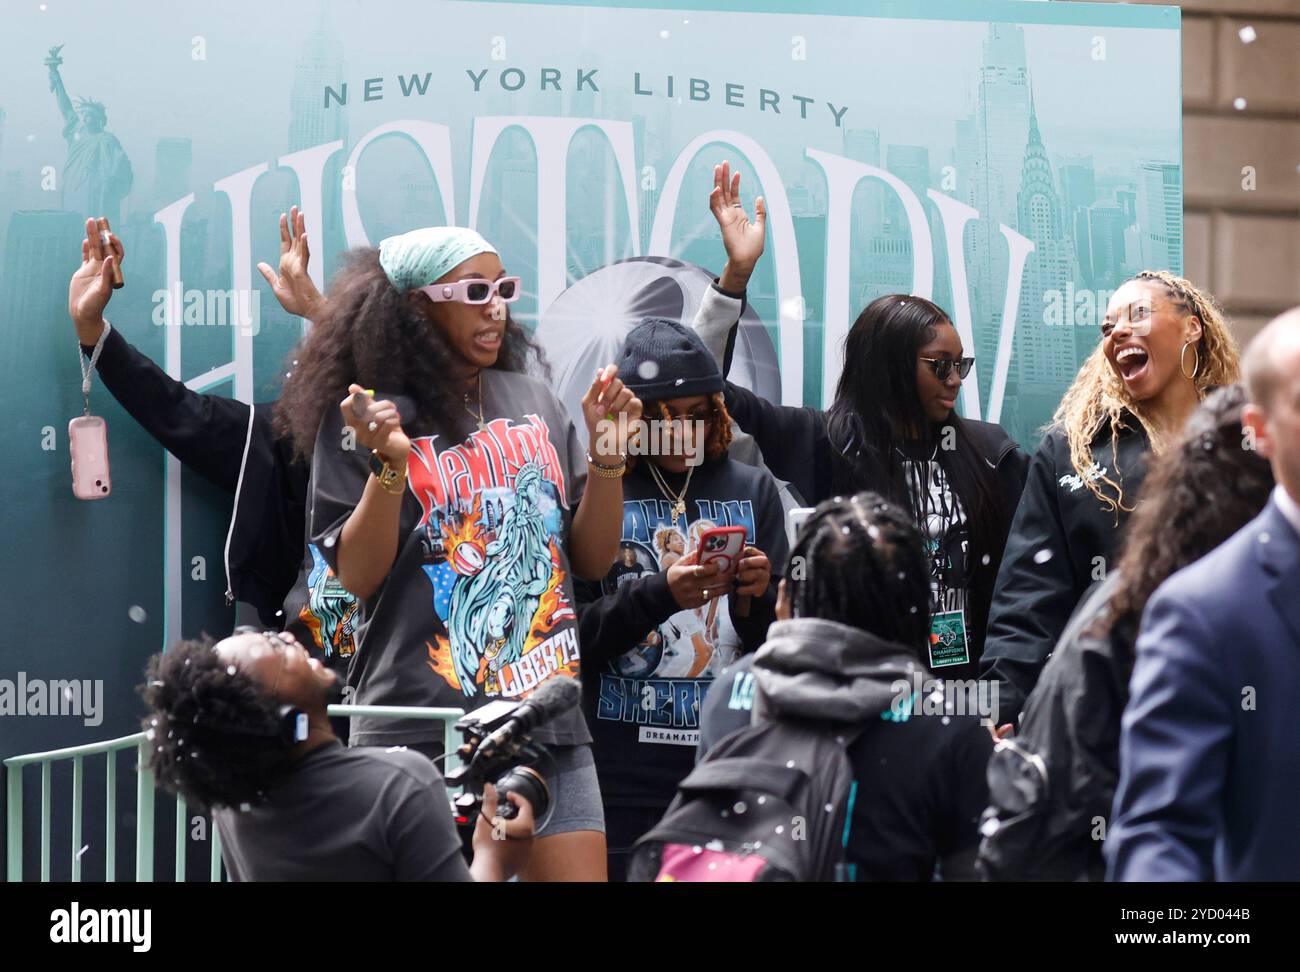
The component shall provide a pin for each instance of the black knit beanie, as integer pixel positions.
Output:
(662, 359)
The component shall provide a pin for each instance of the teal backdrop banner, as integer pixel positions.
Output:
(1014, 161)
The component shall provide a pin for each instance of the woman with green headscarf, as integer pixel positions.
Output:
(450, 493)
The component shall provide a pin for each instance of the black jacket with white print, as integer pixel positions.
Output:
(1062, 540)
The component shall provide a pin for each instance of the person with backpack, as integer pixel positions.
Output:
(852, 764)
(662, 624)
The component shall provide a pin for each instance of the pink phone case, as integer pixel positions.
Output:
(88, 443)
(722, 544)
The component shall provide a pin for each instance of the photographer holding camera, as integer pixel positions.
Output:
(240, 727)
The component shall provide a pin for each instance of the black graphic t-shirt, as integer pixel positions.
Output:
(648, 662)
(321, 613)
(478, 605)
(945, 533)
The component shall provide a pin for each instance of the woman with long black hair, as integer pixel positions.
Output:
(456, 503)
(892, 428)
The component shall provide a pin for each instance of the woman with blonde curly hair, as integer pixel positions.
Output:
(1164, 345)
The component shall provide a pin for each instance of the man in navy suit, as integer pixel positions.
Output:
(1210, 748)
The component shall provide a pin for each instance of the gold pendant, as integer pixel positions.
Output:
(679, 509)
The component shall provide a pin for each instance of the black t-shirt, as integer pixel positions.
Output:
(643, 685)
(343, 814)
(945, 534)
(478, 605)
(321, 613)
(622, 573)
(921, 779)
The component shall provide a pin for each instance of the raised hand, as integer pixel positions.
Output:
(92, 284)
(293, 287)
(606, 400)
(377, 425)
(743, 238)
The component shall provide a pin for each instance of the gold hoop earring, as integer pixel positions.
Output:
(1183, 354)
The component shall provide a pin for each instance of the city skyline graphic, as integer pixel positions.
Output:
(978, 113)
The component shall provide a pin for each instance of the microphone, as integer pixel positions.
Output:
(554, 696)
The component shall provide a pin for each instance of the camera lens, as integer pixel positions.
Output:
(530, 785)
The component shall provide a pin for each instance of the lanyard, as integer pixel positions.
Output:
(88, 368)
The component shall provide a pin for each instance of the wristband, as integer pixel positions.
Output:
(607, 472)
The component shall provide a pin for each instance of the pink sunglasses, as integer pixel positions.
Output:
(474, 291)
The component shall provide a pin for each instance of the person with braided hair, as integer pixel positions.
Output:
(851, 646)
(1164, 346)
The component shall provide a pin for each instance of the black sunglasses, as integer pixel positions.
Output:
(942, 367)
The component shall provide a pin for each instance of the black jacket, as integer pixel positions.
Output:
(1052, 785)
(796, 445)
(233, 446)
(1062, 541)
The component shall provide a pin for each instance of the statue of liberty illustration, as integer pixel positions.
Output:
(492, 610)
(97, 175)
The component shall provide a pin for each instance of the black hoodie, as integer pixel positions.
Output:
(918, 762)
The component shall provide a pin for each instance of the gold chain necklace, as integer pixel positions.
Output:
(482, 425)
(678, 499)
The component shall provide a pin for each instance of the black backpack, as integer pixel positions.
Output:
(768, 803)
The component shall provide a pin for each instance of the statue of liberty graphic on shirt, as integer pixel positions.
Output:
(492, 611)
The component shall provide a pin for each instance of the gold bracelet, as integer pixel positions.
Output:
(392, 481)
(607, 472)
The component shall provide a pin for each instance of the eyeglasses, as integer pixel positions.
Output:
(942, 367)
(701, 413)
(474, 291)
(278, 643)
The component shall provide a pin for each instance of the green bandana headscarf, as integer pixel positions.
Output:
(420, 257)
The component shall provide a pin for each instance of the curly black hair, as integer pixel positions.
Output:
(1197, 494)
(213, 728)
(859, 561)
(372, 335)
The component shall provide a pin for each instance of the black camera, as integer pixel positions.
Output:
(493, 752)
(498, 750)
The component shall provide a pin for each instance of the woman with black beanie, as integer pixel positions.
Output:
(661, 625)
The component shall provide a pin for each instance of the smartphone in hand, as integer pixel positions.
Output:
(723, 546)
